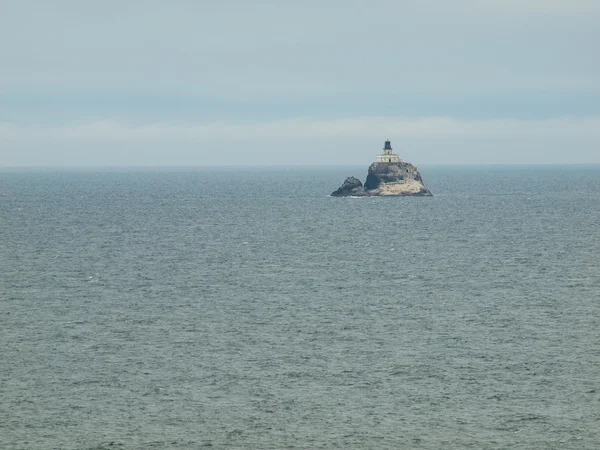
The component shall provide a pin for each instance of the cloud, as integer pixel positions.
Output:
(298, 49)
(518, 6)
(307, 128)
(180, 81)
(302, 141)
(524, 6)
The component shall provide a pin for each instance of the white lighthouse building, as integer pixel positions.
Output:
(388, 155)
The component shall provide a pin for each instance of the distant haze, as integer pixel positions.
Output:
(298, 83)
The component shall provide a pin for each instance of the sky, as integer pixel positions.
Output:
(239, 82)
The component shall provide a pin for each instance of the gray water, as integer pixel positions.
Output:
(240, 308)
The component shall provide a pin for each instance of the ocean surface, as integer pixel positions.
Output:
(244, 308)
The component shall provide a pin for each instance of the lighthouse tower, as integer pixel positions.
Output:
(388, 155)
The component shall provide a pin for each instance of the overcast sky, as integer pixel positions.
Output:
(207, 82)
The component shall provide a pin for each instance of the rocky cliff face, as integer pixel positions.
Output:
(386, 179)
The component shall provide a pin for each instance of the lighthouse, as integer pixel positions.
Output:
(388, 155)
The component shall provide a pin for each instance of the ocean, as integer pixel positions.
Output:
(245, 308)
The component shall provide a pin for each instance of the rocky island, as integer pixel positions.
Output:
(388, 176)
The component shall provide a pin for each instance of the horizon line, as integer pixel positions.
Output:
(275, 166)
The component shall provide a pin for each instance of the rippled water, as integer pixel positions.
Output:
(247, 309)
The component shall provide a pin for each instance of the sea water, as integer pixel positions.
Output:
(244, 308)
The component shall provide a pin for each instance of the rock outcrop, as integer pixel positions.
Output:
(386, 179)
(352, 187)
